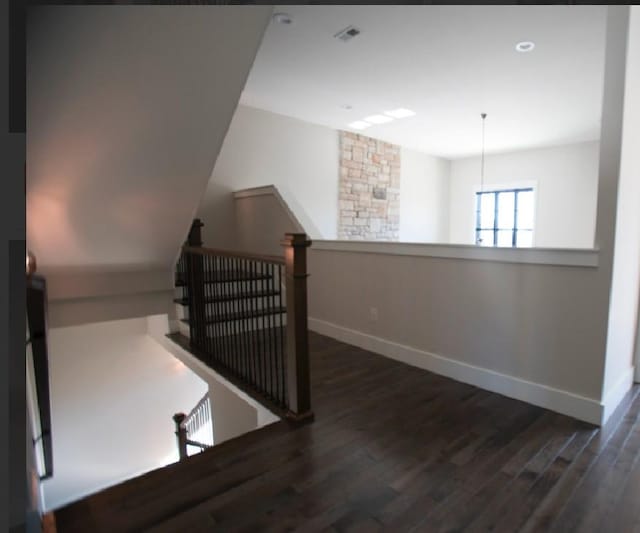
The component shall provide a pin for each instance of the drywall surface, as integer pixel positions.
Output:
(625, 289)
(424, 197)
(114, 391)
(82, 295)
(234, 412)
(534, 322)
(261, 222)
(565, 179)
(263, 148)
(127, 109)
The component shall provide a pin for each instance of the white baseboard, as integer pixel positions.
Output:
(616, 393)
(557, 400)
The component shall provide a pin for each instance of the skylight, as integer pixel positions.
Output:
(401, 112)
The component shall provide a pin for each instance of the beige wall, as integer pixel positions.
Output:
(537, 323)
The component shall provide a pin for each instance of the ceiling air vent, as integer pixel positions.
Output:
(347, 34)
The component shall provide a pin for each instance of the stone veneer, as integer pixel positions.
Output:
(369, 188)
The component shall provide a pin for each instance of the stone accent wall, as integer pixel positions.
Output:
(369, 189)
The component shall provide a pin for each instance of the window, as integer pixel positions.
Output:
(505, 218)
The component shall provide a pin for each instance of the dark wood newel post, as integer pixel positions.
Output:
(181, 435)
(195, 233)
(298, 379)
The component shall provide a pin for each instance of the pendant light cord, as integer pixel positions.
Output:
(484, 116)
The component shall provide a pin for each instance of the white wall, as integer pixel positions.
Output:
(625, 289)
(301, 160)
(234, 412)
(114, 391)
(261, 220)
(566, 184)
(263, 148)
(424, 197)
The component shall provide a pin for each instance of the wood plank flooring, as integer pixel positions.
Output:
(393, 448)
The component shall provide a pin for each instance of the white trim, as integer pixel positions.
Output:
(616, 393)
(536, 256)
(558, 400)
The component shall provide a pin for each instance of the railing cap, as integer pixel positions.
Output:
(296, 239)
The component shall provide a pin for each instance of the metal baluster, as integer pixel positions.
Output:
(207, 289)
(283, 379)
(224, 316)
(252, 324)
(236, 325)
(243, 310)
(272, 337)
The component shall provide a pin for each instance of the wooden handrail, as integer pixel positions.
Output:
(37, 321)
(202, 250)
(237, 319)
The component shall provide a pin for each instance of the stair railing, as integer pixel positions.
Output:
(247, 317)
(188, 426)
(37, 366)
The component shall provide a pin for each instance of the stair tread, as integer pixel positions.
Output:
(243, 314)
(238, 296)
(224, 276)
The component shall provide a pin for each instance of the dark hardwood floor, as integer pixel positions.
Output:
(392, 448)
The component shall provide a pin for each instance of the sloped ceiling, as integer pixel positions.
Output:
(127, 108)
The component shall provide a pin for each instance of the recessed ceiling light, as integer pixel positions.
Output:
(401, 112)
(525, 46)
(359, 125)
(378, 119)
(348, 107)
(282, 18)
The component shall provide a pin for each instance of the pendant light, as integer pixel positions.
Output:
(483, 116)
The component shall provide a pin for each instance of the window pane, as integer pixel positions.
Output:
(524, 239)
(485, 238)
(505, 238)
(525, 210)
(487, 209)
(506, 208)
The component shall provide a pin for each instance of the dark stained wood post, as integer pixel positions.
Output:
(195, 233)
(298, 380)
(181, 435)
(195, 287)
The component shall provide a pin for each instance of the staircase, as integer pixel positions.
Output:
(245, 316)
(155, 499)
(237, 301)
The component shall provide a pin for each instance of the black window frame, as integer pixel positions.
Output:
(495, 228)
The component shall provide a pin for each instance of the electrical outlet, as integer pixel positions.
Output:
(373, 314)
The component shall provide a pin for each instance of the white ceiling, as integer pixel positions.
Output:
(446, 63)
